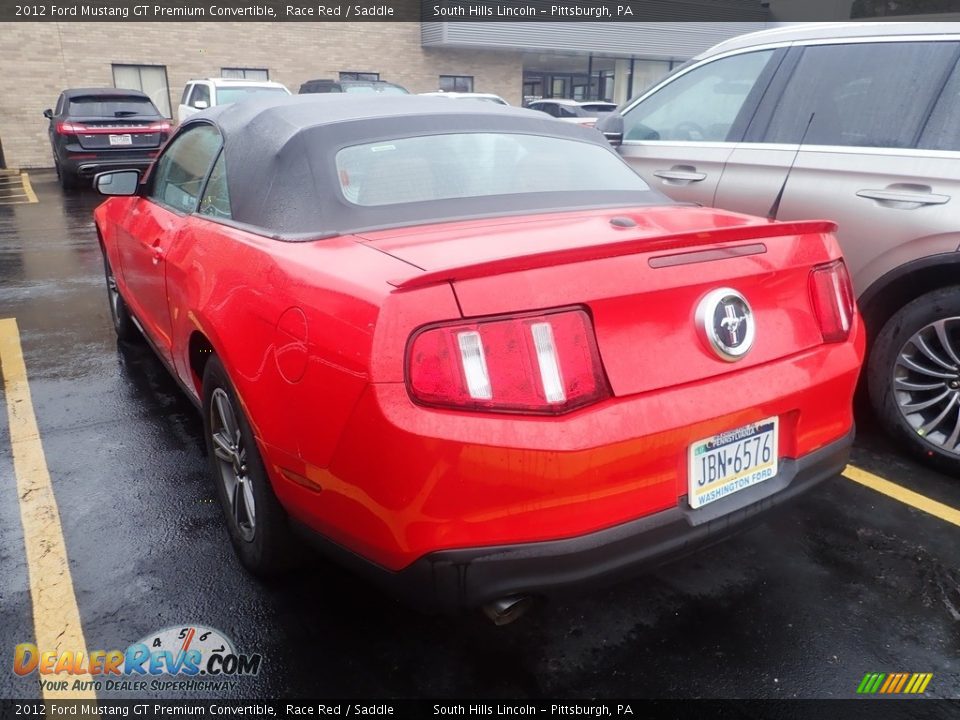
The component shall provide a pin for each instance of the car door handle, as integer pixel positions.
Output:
(681, 175)
(904, 199)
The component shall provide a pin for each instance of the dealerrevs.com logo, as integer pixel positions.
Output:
(183, 654)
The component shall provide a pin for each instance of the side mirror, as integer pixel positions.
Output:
(201, 104)
(611, 126)
(118, 182)
(48, 114)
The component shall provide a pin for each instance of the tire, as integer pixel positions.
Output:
(123, 323)
(913, 378)
(70, 182)
(261, 538)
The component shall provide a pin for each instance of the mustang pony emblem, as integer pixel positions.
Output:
(726, 323)
(731, 323)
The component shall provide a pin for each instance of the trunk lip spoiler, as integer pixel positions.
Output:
(620, 248)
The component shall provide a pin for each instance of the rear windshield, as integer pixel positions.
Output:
(383, 89)
(236, 93)
(470, 165)
(111, 107)
(496, 101)
(598, 108)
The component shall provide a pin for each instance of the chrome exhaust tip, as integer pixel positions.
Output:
(509, 609)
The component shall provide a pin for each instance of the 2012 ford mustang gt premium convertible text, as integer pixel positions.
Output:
(466, 349)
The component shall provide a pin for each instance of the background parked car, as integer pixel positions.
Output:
(352, 86)
(94, 129)
(582, 113)
(863, 120)
(484, 97)
(201, 94)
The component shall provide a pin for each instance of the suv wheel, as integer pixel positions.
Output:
(68, 181)
(913, 377)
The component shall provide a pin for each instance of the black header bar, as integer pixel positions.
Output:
(850, 709)
(460, 10)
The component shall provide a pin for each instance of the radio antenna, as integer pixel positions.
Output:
(775, 208)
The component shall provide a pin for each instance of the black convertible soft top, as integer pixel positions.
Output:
(282, 176)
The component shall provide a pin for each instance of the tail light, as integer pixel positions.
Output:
(832, 295)
(539, 364)
(64, 127)
(161, 127)
(69, 128)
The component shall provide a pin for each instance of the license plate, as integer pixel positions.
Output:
(121, 139)
(723, 464)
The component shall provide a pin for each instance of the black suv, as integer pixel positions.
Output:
(94, 129)
(352, 86)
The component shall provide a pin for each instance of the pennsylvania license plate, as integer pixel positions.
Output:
(723, 464)
(125, 139)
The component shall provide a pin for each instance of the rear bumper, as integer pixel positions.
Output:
(89, 166)
(404, 481)
(449, 580)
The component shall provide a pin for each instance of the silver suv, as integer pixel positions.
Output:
(857, 123)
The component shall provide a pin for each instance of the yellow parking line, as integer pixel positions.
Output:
(28, 188)
(907, 497)
(56, 618)
(10, 184)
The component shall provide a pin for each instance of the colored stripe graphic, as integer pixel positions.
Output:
(894, 683)
(914, 682)
(891, 681)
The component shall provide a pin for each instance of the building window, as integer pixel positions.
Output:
(532, 88)
(368, 76)
(150, 79)
(245, 73)
(607, 85)
(456, 83)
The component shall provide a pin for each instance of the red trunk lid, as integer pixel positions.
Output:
(641, 273)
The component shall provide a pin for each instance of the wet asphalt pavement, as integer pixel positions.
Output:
(844, 582)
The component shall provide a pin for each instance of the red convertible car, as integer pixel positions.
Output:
(467, 350)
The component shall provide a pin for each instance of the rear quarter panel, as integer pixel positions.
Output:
(293, 323)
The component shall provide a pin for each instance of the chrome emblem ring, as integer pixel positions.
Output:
(726, 323)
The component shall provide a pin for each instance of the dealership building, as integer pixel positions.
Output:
(514, 60)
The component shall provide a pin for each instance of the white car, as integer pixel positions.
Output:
(484, 97)
(582, 113)
(201, 94)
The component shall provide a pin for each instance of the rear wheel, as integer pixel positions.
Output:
(69, 181)
(914, 377)
(256, 522)
(123, 323)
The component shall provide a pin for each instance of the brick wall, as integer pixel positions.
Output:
(41, 59)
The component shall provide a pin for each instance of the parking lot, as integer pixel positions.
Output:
(847, 581)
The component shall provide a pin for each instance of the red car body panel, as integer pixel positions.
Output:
(314, 336)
